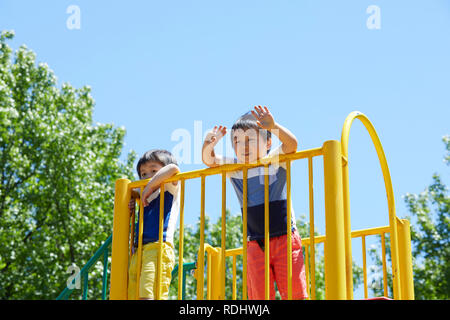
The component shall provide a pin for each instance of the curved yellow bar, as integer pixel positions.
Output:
(390, 199)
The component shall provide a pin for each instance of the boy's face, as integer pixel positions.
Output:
(249, 145)
(149, 169)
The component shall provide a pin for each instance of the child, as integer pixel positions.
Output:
(158, 165)
(251, 137)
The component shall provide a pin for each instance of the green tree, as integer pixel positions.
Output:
(430, 239)
(57, 176)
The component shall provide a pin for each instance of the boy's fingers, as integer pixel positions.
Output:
(264, 111)
(255, 115)
(260, 109)
(261, 112)
(259, 124)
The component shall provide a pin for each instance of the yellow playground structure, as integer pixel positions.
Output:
(337, 239)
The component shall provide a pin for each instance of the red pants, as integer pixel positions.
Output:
(278, 269)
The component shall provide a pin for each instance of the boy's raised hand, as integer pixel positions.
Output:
(216, 134)
(264, 118)
(212, 138)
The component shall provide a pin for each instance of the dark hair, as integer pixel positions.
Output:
(248, 121)
(164, 157)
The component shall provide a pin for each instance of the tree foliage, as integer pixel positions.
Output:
(57, 176)
(430, 239)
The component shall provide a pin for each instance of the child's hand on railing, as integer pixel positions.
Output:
(148, 190)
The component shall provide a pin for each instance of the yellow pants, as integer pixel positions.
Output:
(147, 281)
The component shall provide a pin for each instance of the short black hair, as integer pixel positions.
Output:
(248, 121)
(161, 156)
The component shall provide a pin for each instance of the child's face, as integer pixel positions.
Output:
(249, 145)
(149, 169)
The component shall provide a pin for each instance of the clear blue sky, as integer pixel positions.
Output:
(158, 66)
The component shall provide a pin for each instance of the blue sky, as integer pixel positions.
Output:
(158, 66)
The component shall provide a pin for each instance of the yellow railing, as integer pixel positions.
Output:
(380, 231)
(338, 258)
(215, 256)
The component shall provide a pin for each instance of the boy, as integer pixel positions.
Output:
(158, 165)
(251, 138)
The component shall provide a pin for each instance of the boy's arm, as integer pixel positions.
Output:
(289, 141)
(209, 157)
(266, 121)
(164, 173)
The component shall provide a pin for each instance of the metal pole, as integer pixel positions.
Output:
(121, 228)
(335, 288)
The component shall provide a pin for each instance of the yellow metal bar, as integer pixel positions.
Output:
(208, 276)
(138, 183)
(181, 243)
(133, 223)
(235, 167)
(161, 241)
(244, 236)
(223, 236)
(213, 272)
(234, 278)
(383, 258)
(405, 257)
(201, 253)
(311, 229)
(266, 234)
(370, 231)
(317, 240)
(121, 229)
(234, 252)
(347, 230)
(388, 185)
(335, 282)
(139, 249)
(289, 229)
(363, 238)
(216, 274)
(355, 234)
